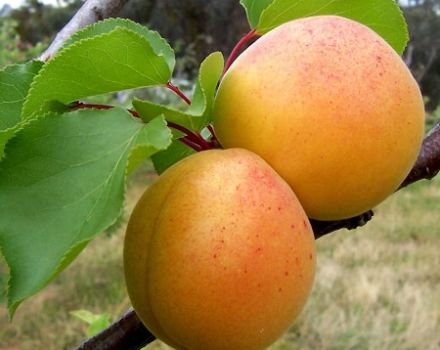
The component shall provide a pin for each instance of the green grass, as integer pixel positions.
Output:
(377, 287)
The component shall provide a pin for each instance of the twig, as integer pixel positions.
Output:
(426, 167)
(237, 49)
(428, 163)
(91, 12)
(321, 228)
(127, 333)
(178, 92)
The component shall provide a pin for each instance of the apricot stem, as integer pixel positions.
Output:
(178, 92)
(186, 141)
(238, 47)
(214, 140)
(192, 136)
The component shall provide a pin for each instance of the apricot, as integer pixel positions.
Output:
(331, 107)
(219, 254)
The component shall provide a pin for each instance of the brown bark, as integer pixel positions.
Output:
(91, 12)
(128, 333)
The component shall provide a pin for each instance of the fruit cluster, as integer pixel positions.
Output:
(319, 114)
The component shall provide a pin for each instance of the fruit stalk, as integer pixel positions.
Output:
(237, 49)
(195, 138)
(178, 92)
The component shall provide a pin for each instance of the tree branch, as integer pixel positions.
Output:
(428, 162)
(129, 333)
(90, 12)
(321, 228)
(426, 167)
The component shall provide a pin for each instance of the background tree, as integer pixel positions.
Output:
(197, 27)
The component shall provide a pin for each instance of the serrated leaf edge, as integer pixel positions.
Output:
(80, 245)
(121, 20)
(13, 306)
(202, 88)
(10, 66)
(187, 113)
(141, 145)
(248, 11)
(7, 70)
(262, 31)
(16, 129)
(405, 25)
(65, 51)
(164, 108)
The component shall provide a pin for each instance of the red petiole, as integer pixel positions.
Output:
(238, 48)
(178, 92)
(192, 136)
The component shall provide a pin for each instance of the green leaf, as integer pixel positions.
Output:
(15, 81)
(96, 322)
(210, 73)
(383, 16)
(118, 60)
(159, 44)
(150, 110)
(254, 8)
(154, 137)
(199, 114)
(62, 183)
(5, 136)
(164, 159)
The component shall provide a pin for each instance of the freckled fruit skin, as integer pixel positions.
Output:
(331, 107)
(219, 254)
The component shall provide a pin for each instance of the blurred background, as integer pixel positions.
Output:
(377, 287)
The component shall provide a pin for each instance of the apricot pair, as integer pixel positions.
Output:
(219, 253)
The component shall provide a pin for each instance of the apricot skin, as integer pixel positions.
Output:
(219, 254)
(331, 107)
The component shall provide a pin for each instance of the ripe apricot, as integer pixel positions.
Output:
(331, 107)
(219, 253)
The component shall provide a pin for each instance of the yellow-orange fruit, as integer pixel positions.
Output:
(331, 107)
(219, 254)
